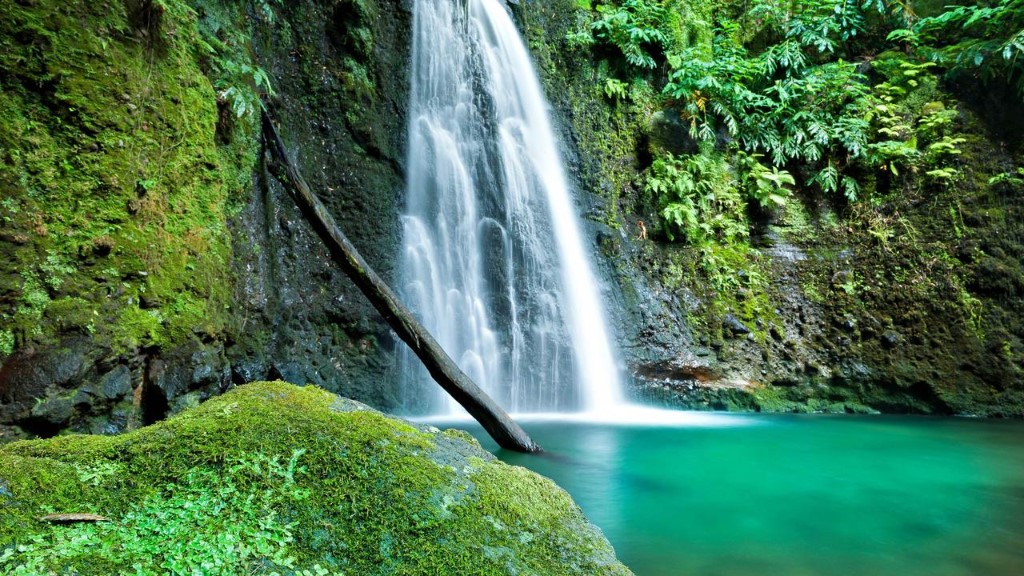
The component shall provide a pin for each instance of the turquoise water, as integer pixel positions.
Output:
(796, 495)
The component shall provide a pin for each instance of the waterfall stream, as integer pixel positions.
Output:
(493, 263)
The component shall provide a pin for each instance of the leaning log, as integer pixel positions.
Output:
(445, 372)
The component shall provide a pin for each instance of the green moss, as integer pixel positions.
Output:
(343, 487)
(731, 279)
(772, 399)
(135, 328)
(118, 172)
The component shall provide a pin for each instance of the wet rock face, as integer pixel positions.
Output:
(37, 388)
(869, 344)
(74, 386)
(340, 73)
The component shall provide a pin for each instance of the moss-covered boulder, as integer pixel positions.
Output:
(271, 478)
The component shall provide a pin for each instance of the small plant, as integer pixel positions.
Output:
(615, 89)
(34, 298)
(214, 522)
(6, 342)
(580, 39)
(356, 80)
(1012, 179)
(8, 209)
(849, 283)
(98, 473)
(699, 197)
(55, 270)
(241, 98)
(239, 81)
(767, 186)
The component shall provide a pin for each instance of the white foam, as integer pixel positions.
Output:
(632, 415)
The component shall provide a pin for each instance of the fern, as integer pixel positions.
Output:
(986, 39)
(615, 89)
(638, 28)
(699, 198)
(774, 103)
(766, 186)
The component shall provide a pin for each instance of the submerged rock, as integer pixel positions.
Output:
(275, 478)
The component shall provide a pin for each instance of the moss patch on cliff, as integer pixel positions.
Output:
(119, 166)
(274, 478)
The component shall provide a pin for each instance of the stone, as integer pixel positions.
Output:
(205, 367)
(890, 339)
(369, 490)
(116, 384)
(29, 373)
(248, 370)
(54, 412)
(168, 376)
(733, 324)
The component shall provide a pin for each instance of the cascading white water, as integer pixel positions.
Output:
(493, 263)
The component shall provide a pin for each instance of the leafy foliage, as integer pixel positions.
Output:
(639, 28)
(237, 79)
(643, 32)
(985, 39)
(767, 186)
(705, 197)
(778, 102)
(822, 25)
(6, 343)
(699, 197)
(778, 81)
(1010, 179)
(913, 132)
(208, 522)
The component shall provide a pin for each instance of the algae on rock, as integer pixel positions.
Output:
(120, 164)
(116, 178)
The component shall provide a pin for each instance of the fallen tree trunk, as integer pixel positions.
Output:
(496, 421)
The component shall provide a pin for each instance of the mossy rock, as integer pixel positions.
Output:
(118, 173)
(272, 478)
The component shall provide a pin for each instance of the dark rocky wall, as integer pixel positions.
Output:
(340, 73)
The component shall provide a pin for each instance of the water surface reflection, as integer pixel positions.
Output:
(793, 495)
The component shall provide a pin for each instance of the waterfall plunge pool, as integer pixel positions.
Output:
(727, 495)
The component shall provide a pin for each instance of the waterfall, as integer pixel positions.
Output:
(492, 261)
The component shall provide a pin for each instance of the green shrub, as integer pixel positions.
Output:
(985, 39)
(699, 197)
